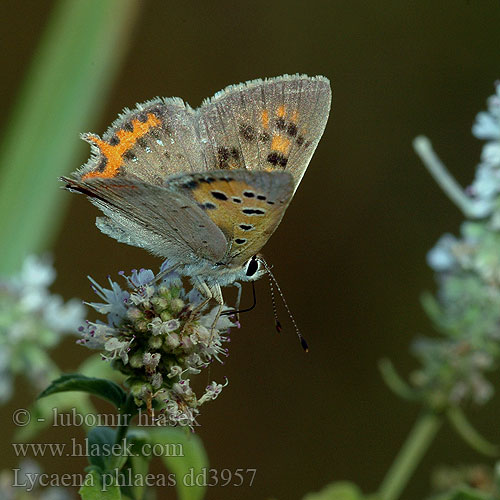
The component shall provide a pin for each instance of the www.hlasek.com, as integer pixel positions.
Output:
(200, 477)
(87, 449)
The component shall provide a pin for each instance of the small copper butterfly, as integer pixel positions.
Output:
(206, 187)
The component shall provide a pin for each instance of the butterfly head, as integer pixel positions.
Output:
(254, 268)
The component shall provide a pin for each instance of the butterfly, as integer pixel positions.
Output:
(207, 187)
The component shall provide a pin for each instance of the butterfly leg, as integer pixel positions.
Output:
(209, 293)
(163, 273)
(205, 290)
(217, 295)
(238, 298)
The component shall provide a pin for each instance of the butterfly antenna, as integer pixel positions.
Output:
(273, 300)
(274, 283)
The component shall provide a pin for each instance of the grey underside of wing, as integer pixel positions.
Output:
(233, 123)
(169, 148)
(157, 219)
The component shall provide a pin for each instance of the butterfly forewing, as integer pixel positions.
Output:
(272, 124)
(164, 222)
(156, 139)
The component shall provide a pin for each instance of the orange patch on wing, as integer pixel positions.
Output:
(281, 111)
(295, 116)
(265, 118)
(281, 144)
(113, 153)
(227, 214)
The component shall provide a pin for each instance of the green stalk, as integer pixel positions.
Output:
(67, 83)
(118, 460)
(410, 455)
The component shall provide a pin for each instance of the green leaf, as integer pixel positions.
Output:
(471, 436)
(68, 82)
(105, 389)
(93, 489)
(137, 463)
(342, 490)
(95, 366)
(100, 442)
(184, 456)
(42, 412)
(393, 380)
(464, 493)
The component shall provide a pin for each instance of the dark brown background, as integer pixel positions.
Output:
(350, 252)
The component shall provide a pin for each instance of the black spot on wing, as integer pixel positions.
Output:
(247, 132)
(207, 180)
(253, 211)
(292, 129)
(264, 137)
(115, 140)
(192, 184)
(280, 124)
(128, 155)
(208, 206)
(218, 195)
(277, 159)
(223, 157)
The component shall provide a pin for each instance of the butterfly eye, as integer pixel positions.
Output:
(252, 266)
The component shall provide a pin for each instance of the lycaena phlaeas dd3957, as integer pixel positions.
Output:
(206, 187)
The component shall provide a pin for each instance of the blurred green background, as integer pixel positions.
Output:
(350, 252)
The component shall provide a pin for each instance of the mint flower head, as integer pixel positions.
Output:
(486, 186)
(158, 336)
(32, 321)
(466, 309)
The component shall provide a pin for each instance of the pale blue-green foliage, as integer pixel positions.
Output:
(466, 308)
(32, 321)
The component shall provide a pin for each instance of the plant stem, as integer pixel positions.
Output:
(445, 180)
(121, 432)
(409, 456)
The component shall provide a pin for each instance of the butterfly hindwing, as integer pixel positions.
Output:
(164, 222)
(246, 206)
(272, 124)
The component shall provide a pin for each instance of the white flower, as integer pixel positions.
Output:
(118, 348)
(95, 335)
(151, 361)
(486, 126)
(142, 277)
(491, 156)
(116, 301)
(37, 273)
(64, 317)
(212, 391)
(32, 320)
(441, 258)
